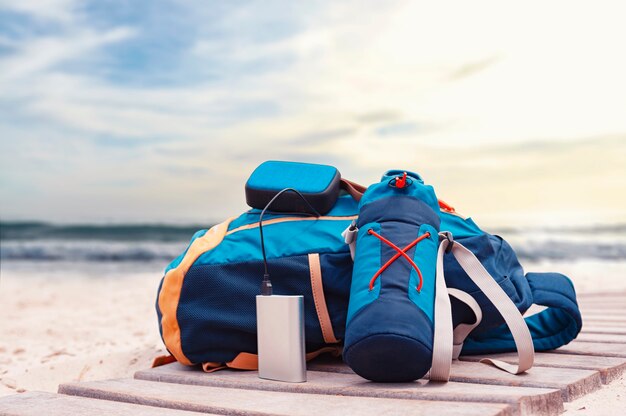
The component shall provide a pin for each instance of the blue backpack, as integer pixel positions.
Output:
(206, 299)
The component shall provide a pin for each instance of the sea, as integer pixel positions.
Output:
(105, 249)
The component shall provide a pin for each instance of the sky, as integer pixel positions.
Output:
(157, 111)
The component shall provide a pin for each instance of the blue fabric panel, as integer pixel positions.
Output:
(397, 208)
(345, 206)
(283, 239)
(501, 262)
(554, 327)
(336, 278)
(305, 177)
(389, 338)
(459, 227)
(383, 344)
(367, 261)
(422, 256)
(217, 318)
(424, 193)
(178, 259)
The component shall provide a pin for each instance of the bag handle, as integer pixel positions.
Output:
(462, 330)
(444, 336)
(354, 189)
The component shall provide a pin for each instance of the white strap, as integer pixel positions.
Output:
(349, 236)
(443, 337)
(462, 330)
(513, 318)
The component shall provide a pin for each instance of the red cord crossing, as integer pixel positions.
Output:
(400, 252)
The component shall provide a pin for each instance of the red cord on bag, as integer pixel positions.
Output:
(401, 182)
(400, 252)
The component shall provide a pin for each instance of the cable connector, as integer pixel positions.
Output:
(266, 285)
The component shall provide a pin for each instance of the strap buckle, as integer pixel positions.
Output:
(447, 235)
(349, 236)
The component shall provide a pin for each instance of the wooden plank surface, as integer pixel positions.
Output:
(599, 337)
(611, 304)
(598, 349)
(601, 295)
(50, 404)
(610, 368)
(250, 402)
(524, 400)
(603, 329)
(616, 319)
(572, 382)
(601, 323)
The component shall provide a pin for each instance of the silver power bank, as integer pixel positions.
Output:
(280, 337)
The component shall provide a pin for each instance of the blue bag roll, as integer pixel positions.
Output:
(390, 321)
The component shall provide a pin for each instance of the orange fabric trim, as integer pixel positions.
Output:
(162, 360)
(173, 283)
(244, 361)
(445, 206)
(289, 219)
(248, 361)
(212, 367)
(319, 299)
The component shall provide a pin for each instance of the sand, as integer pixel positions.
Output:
(54, 330)
(67, 327)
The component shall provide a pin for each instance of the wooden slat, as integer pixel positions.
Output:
(596, 337)
(524, 400)
(615, 313)
(601, 296)
(613, 304)
(572, 383)
(610, 368)
(593, 348)
(596, 322)
(601, 329)
(49, 404)
(589, 316)
(250, 402)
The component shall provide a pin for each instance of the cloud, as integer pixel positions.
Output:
(61, 11)
(472, 68)
(173, 97)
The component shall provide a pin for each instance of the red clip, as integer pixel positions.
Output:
(401, 182)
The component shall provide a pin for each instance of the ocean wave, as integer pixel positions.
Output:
(93, 232)
(171, 233)
(147, 251)
(91, 251)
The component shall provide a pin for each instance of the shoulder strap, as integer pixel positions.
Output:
(444, 336)
(462, 330)
(553, 327)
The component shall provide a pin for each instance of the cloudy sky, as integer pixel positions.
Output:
(149, 111)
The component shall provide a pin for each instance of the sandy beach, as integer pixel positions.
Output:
(73, 329)
(65, 326)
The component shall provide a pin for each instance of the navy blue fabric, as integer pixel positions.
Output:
(390, 339)
(398, 208)
(217, 312)
(553, 327)
(497, 256)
